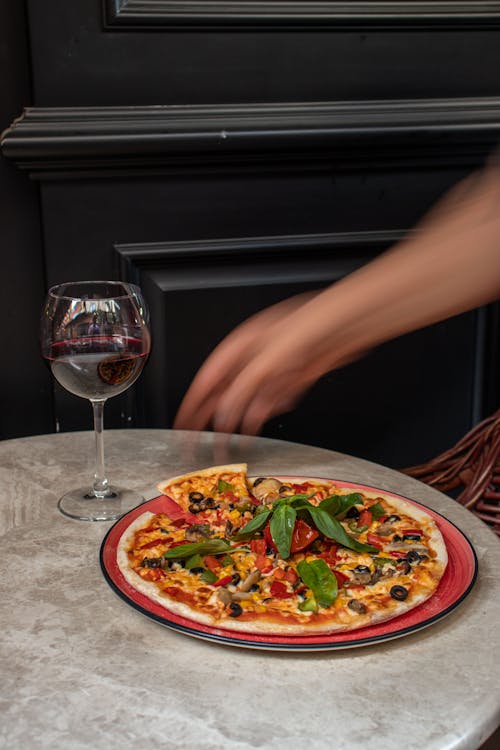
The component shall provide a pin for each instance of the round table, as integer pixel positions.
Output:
(82, 669)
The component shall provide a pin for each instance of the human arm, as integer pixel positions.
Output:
(450, 264)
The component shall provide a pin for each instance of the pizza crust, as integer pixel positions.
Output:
(201, 474)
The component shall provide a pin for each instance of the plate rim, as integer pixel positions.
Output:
(270, 642)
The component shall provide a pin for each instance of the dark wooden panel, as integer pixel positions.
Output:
(24, 381)
(76, 62)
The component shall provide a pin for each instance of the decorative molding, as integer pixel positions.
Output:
(156, 14)
(134, 257)
(84, 141)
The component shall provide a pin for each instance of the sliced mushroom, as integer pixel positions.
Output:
(357, 606)
(250, 580)
(197, 532)
(385, 529)
(361, 575)
(225, 596)
(266, 488)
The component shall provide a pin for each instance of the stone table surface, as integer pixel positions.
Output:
(80, 668)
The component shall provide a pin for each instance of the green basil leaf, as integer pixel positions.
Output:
(227, 560)
(256, 524)
(333, 529)
(320, 579)
(211, 547)
(195, 561)
(223, 486)
(377, 510)
(208, 576)
(281, 528)
(331, 504)
(347, 501)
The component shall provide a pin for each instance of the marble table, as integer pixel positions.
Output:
(81, 669)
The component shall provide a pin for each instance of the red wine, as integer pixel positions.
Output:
(97, 367)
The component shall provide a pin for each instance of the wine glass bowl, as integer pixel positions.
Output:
(96, 340)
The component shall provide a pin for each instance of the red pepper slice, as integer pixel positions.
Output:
(375, 541)
(365, 518)
(223, 581)
(259, 546)
(212, 563)
(412, 531)
(279, 590)
(153, 574)
(300, 488)
(178, 544)
(150, 528)
(291, 576)
(156, 542)
(341, 577)
(263, 563)
(302, 536)
(398, 554)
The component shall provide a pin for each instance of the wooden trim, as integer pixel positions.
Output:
(150, 254)
(157, 14)
(317, 135)
(137, 258)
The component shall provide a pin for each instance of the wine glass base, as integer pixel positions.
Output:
(82, 505)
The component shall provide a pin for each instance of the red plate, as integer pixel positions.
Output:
(455, 585)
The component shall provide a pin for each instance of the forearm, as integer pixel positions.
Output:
(450, 265)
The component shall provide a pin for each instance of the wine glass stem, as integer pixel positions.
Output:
(100, 486)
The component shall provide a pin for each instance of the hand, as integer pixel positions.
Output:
(258, 371)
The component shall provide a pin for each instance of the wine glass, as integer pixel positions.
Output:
(96, 339)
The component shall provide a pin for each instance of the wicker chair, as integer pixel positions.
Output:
(471, 470)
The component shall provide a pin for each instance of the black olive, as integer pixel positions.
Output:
(255, 587)
(259, 480)
(399, 593)
(353, 512)
(235, 610)
(413, 556)
(194, 508)
(392, 519)
(357, 606)
(195, 497)
(412, 537)
(397, 538)
(235, 578)
(151, 562)
(208, 502)
(197, 570)
(362, 569)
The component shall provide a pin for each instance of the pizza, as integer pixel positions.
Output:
(278, 555)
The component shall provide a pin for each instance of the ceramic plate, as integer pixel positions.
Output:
(455, 585)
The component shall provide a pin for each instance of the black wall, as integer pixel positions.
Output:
(226, 155)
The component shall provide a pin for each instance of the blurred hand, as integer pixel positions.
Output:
(258, 371)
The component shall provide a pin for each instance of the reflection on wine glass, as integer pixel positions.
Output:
(96, 339)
